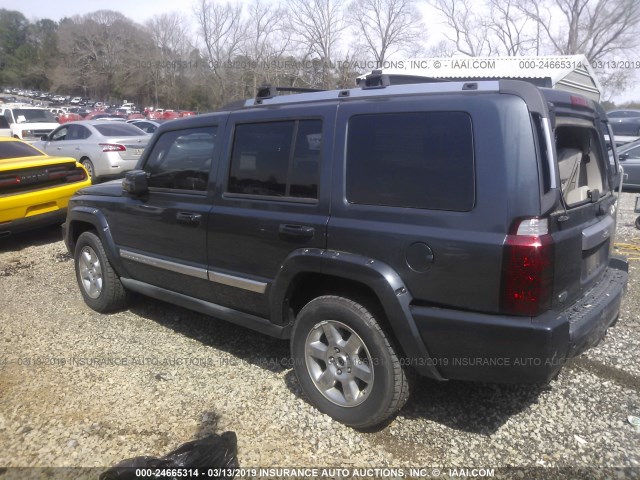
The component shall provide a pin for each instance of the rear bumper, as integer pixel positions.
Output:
(504, 349)
(33, 222)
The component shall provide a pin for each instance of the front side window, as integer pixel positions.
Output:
(181, 160)
(416, 159)
(276, 159)
(59, 134)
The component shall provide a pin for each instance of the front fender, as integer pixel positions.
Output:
(79, 215)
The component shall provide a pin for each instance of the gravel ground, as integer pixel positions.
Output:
(80, 389)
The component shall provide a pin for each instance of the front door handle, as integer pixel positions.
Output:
(189, 218)
(297, 231)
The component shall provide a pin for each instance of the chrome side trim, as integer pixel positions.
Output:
(238, 282)
(202, 273)
(165, 264)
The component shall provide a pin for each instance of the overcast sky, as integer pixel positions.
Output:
(136, 10)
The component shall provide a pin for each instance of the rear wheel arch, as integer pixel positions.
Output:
(88, 164)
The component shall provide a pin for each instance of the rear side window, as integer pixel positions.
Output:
(419, 160)
(276, 159)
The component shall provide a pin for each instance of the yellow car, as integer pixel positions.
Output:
(34, 187)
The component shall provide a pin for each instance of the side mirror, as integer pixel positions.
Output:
(135, 182)
(44, 138)
(623, 156)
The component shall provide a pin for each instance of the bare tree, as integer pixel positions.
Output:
(511, 28)
(169, 33)
(101, 52)
(222, 31)
(387, 26)
(318, 25)
(467, 30)
(595, 28)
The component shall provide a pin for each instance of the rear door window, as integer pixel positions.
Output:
(418, 159)
(276, 159)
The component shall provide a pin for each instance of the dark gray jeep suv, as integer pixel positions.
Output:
(459, 230)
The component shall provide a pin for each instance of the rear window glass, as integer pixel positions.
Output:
(580, 164)
(419, 160)
(118, 130)
(17, 149)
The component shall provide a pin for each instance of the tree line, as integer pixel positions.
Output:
(221, 51)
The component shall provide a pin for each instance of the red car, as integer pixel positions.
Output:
(69, 117)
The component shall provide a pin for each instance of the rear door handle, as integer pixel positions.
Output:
(189, 218)
(297, 231)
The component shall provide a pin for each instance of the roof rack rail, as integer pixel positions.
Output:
(266, 91)
(376, 79)
(369, 92)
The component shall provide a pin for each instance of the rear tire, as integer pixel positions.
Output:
(346, 364)
(99, 284)
(638, 223)
(88, 165)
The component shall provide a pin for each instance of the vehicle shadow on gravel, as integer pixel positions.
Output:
(468, 406)
(245, 345)
(32, 238)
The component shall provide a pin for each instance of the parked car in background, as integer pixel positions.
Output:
(5, 130)
(149, 126)
(35, 187)
(105, 149)
(29, 123)
(69, 117)
(629, 156)
(625, 122)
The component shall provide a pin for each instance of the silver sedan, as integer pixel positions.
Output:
(106, 149)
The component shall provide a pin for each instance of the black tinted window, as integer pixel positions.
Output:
(12, 149)
(276, 159)
(182, 159)
(421, 160)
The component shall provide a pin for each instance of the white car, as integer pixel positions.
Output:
(29, 123)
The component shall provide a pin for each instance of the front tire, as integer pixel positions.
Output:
(346, 364)
(99, 284)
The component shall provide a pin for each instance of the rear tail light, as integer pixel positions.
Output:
(527, 268)
(9, 181)
(112, 147)
(579, 101)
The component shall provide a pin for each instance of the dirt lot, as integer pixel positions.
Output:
(82, 389)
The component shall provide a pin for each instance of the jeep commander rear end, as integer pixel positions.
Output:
(461, 230)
